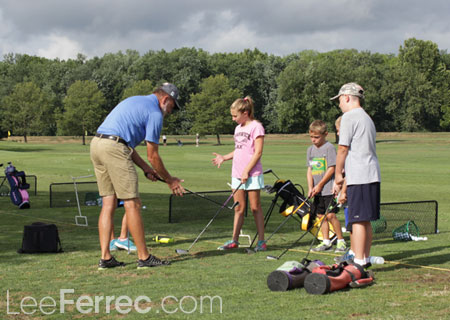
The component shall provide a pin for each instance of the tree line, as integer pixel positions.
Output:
(408, 91)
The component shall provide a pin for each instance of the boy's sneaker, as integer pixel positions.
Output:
(261, 246)
(124, 243)
(231, 244)
(111, 263)
(341, 246)
(322, 247)
(345, 257)
(112, 245)
(151, 261)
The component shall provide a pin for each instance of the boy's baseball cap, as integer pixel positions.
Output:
(172, 91)
(352, 89)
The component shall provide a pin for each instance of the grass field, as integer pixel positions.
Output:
(412, 284)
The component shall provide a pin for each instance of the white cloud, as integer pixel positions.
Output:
(57, 46)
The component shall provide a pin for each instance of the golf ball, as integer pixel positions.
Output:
(144, 207)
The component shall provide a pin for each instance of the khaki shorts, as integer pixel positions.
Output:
(114, 169)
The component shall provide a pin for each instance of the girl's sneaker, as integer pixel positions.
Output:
(124, 244)
(261, 246)
(112, 245)
(231, 244)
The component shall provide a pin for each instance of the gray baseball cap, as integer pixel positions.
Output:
(172, 91)
(352, 89)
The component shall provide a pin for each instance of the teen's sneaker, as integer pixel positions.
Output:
(345, 257)
(341, 246)
(231, 244)
(111, 263)
(261, 246)
(322, 247)
(124, 243)
(151, 261)
(112, 245)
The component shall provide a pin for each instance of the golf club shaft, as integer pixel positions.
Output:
(215, 215)
(329, 208)
(197, 194)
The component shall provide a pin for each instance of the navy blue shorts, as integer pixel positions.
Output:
(363, 202)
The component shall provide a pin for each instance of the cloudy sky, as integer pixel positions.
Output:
(64, 28)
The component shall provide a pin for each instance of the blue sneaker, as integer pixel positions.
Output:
(112, 245)
(345, 257)
(124, 243)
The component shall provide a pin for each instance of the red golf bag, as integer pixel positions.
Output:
(326, 279)
(17, 182)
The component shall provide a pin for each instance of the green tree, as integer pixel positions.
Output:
(83, 109)
(139, 88)
(25, 110)
(210, 108)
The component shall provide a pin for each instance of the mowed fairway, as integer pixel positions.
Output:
(412, 284)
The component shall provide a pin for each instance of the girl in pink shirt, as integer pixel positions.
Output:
(247, 168)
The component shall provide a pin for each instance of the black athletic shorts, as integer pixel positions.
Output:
(320, 204)
(363, 202)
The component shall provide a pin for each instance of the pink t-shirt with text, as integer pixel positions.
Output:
(244, 148)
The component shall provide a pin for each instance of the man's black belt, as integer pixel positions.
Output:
(111, 137)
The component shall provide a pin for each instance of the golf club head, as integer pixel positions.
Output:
(272, 257)
(268, 189)
(250, 251)
(267, 171)
(181, 251)
(234, 205)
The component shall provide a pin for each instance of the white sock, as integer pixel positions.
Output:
(326, 242)
(350, 252)
(361, 262)
(341, 240)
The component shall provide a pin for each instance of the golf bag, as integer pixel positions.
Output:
(294, 202)
(17, 182)
(326, 279)
(291, 275)
(40, 237)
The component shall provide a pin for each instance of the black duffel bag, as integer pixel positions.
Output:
(40, 237)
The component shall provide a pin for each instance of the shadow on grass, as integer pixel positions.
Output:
(390, 141)
(21, 149)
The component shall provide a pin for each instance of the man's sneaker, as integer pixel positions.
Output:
(151, 261)
(111, 263)
(261, 246)
(112, 245)
(231, 244)
(124, 243)
(345, 257)
(322, 247)
(341, 246)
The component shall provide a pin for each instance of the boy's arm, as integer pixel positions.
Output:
(340, 162)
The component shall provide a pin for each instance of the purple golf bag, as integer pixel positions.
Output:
(18, 184)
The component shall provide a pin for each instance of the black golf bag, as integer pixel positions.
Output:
(295, 203)
(17, 182)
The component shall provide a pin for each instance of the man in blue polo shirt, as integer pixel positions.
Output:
(114, 158)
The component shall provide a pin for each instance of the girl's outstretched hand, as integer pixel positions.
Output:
(218, 160)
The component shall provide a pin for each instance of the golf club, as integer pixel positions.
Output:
(182, 251)
(200, 195)
(270, 171)
(329, 208)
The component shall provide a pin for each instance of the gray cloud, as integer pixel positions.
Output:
(55, 28)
